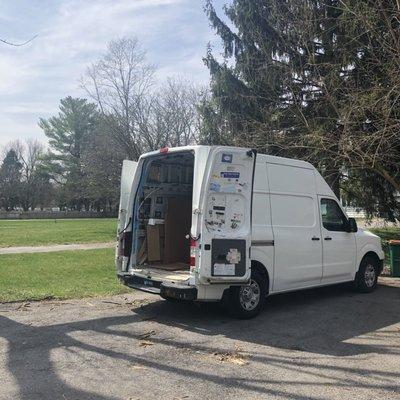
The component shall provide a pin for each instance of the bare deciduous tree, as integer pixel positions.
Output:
(119, 83)
(138, 116)
(34, 187)
(174, 115)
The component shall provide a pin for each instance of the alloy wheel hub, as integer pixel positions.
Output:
(250, 295)
(369, 275)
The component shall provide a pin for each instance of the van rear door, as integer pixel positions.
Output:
(124, 232)
(225, 235)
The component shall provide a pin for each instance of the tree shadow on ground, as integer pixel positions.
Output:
(317, 321)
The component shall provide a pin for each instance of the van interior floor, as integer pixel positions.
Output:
(174, 272)
(177, 266)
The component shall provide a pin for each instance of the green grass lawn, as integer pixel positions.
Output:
(61, 231)
(71, 274)
(61, 275)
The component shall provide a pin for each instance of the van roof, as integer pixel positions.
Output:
(321, 185)
(285, 161)
(266, 157)
(173, 150)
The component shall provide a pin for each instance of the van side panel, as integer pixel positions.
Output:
(296, 228)
(262, 239)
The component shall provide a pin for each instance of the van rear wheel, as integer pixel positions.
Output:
(246, 301)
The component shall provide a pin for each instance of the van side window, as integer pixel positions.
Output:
(333, 218)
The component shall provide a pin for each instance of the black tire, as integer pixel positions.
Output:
(255, 293)
(171, 299)
(366, 279)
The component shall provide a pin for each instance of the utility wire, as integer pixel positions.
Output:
(18, 44)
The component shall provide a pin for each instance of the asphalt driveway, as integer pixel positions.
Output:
(327, 343)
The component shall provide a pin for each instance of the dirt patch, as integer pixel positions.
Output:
(234, 357)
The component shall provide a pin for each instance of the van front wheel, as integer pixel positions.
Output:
(367, 275)
(246, 301)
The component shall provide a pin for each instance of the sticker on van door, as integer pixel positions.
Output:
(231, 175)
(226, 158)
(215, 187)
(224, 269)
(233, 256)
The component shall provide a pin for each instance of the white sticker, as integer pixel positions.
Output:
(233, 256)
(224, 269)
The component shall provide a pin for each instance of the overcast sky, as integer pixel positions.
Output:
(72, 33)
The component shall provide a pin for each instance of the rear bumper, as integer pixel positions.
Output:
(139, 283)
(164, 289)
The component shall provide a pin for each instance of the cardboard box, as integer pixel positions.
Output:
(155, 242)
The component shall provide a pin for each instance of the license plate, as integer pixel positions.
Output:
(172, 294)
(146, 282)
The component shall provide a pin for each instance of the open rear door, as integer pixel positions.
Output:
(125, 215)
(226, 216)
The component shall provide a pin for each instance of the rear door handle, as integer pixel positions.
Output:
(328, 238)
(315, 238)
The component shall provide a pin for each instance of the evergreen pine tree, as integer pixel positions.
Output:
(68, 134)
(10, 181)
(314, 80)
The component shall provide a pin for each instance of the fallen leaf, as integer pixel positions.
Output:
(23, 306)
(145, 343)
(147, 334)
(232, 357)
(137, 367)
(238, 360)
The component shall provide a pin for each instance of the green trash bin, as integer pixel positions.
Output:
(394, 249)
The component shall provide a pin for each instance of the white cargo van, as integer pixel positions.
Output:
(210, 223)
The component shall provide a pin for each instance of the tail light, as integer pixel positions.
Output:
(193, 251)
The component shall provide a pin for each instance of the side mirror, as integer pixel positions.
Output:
(352, 225)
